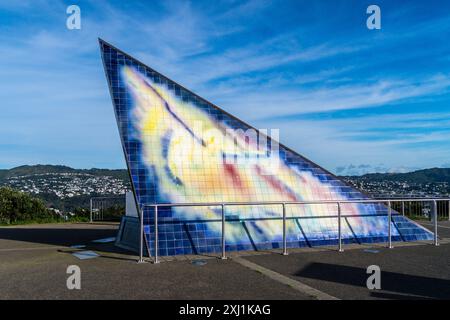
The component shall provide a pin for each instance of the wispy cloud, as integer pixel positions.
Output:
(398, 142)
(288, 103)
(268, 63)
(356, 170)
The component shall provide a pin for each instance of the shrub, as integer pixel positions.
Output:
(18, 207)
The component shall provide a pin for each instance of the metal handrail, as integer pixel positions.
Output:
(99, 198)
(237, 203)
(284, 218)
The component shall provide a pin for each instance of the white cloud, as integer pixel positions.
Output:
(50, 70)
(335, 143)
(276, 102)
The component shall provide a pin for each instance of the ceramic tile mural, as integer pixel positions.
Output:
(180, 148)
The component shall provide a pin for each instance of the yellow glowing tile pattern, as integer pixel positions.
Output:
(182, 149)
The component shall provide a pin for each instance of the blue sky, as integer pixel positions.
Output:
(351, 99)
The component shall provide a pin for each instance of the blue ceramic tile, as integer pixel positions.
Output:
(173, 156)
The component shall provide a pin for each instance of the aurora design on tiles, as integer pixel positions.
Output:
(191, 169)
(182, 149)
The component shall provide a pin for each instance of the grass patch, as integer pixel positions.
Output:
(43, 221)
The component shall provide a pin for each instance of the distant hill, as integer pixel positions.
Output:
(66, 188)
(419, 176)
(46, 169)
(433, 175)
(36, 169)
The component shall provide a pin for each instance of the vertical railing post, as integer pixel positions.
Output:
(141, 237)
(389, 226)
(90, 211)
(285, 253)
(340, 249)
(411, 208)
(437, 208)
(403, 208)
(448, 209)
(223, 233)
(436, 242)
(156, 235)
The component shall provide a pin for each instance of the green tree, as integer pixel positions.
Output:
(19, 207)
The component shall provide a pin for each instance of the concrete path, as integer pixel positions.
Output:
(34, 259)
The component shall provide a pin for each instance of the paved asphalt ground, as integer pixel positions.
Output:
(34, 259)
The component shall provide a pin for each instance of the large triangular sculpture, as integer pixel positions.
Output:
(174, 155)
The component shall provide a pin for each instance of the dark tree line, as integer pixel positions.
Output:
(19, 207)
